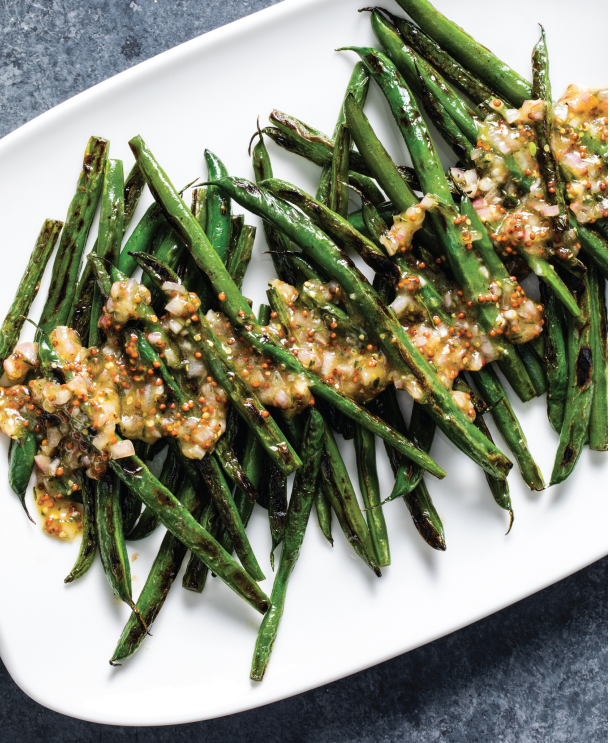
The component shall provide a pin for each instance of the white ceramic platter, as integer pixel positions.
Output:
(56, 640)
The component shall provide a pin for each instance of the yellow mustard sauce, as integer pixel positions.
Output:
(61, 518)
(578, 137)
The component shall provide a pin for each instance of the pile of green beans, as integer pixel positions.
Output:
(205, 505)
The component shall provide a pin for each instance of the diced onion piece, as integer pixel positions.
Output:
(471, 180)
(176, 306)
(62, 397)
(575, 163)
(399, 304)
(533, 110)
(28, 350)
(102, 439)
(170, 286)
(328, 364)
(175, 326)
(196, 368)
(122, 449)
(550, 211)
(282, 399)
(561, 112)
(427, 202)
(43, 463)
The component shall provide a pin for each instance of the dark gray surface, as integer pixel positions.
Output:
(534, 673)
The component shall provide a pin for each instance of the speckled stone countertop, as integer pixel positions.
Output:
(533, 673)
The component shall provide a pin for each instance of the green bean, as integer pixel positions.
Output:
(338, 197)
(333, 182)
(601, 226)
(549, 169)
(28, 287)
(218, 219)
(464, 263)
(335, 226)
(227, 459)
(323, 511)
(276, 241)
(449, 130)
(386, 211)
(512, 366)
(239, 260)
(301, 500)
(88, 545)
(158, 583)
(439, 58)
(472, 55)
(422, 430)
(234, 303)
(485, 247)
(21, 455)
(339, 422)
(253, 462)
(296, 136)
(367, 186)
(80, 318)
(332, 315)
(425, 516)
(208, 470)
(171, 251)
(366, 461)
(534, 369)
(378, 160)
(131, 507)
(310, 271)
(109, 524)
(278, 507)
(545, 271)
(409, 481)
(171, 477)
(490, 389)
(415, 71)
(199, 205)
(196, 573)
(82, 209)
(141, 238)
(81, 306)
(132, 191)
(580, 387)
(179, 521)
(340, 493)
(237, 224)
(498, 487)
(109, 236)
(598, 423)
(556, 368)
(109, 513)
(376, 224)
(593, 244)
